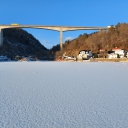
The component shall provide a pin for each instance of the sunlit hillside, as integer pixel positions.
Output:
(116, 36)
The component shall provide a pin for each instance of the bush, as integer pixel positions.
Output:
(95, 55)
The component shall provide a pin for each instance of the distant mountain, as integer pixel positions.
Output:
(19, 42)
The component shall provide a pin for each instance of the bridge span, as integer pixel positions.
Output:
(61, 29)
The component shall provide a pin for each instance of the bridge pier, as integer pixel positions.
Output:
(1, 37)
(61, 41)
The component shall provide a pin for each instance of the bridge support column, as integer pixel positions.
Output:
(1, 37)
(61, 41)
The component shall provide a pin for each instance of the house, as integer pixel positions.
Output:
(127, 55)
(119, 52)
(84, 54)
(67, 57)
(112, 55)
(116, 53)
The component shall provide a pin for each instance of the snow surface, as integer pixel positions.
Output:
(63, 95)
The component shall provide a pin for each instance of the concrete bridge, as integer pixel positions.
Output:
(55, 28)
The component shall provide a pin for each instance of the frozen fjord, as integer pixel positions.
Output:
(63, 94)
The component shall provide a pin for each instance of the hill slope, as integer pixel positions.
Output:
(20, 42)
(114, 37)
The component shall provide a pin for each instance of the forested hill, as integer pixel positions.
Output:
(116, 36)
(20, 42)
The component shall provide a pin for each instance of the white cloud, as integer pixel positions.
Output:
(69, 38)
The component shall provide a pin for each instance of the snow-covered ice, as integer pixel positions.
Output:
(63, 95)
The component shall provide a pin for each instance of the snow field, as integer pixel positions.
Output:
(63, 95)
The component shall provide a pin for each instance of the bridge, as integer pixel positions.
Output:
(61, 29)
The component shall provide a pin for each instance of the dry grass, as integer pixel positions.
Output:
(112, 60)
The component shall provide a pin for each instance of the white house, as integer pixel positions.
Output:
(119, 52)
(127, 55)
(85, 54)
(112, 55)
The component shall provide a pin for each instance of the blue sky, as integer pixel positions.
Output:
(62, 13)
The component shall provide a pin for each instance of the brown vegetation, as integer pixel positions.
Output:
(106, 39)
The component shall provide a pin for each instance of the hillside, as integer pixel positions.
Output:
(20, 42)
(114, 37)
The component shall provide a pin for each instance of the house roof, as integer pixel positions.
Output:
(116, 49)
